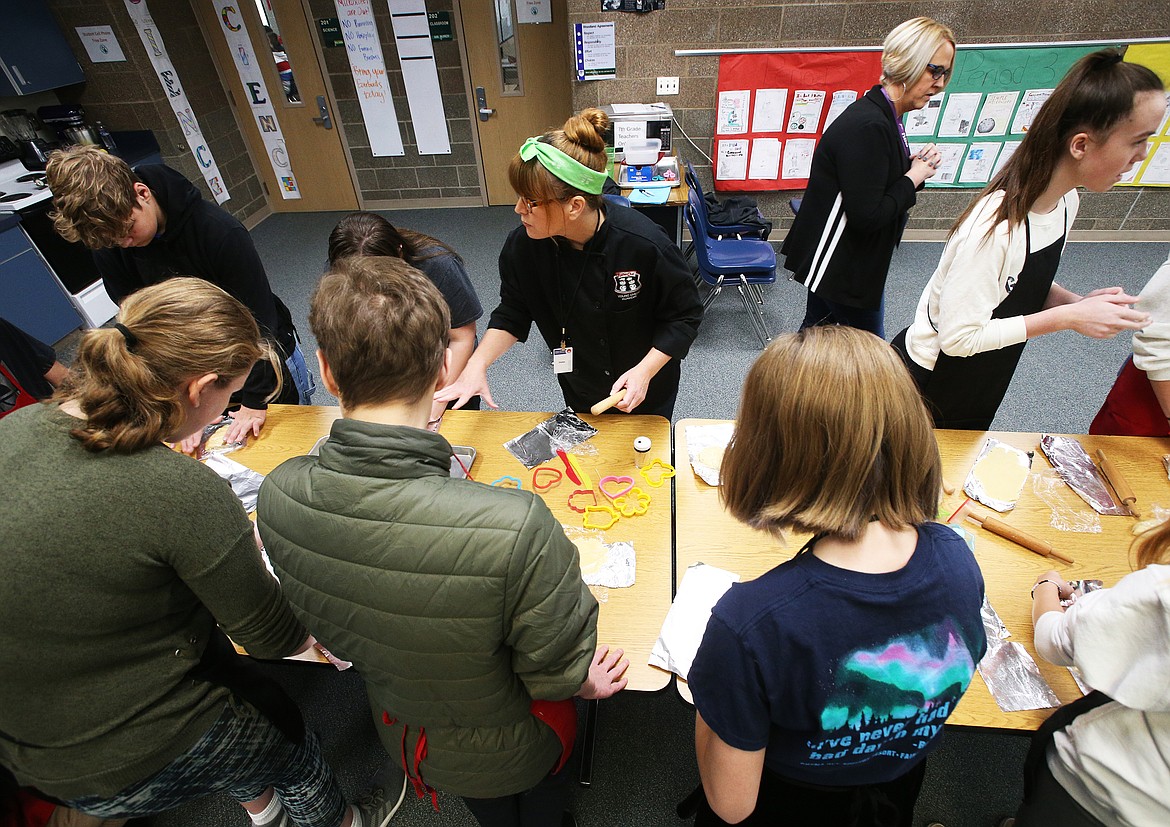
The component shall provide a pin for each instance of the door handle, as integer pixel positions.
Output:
(324, 119)
(482, 108)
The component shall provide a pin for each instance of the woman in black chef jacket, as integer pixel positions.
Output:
(610, 294)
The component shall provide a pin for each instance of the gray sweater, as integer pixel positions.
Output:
(116, 568)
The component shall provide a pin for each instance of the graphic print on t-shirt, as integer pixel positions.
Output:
(892, 699)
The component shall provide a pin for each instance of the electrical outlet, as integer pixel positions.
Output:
(668, 86)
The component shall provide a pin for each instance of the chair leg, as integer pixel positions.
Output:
(754, 310)
(757, 293)
(715, 289)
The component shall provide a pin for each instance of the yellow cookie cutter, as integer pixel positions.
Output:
(667, 473)
(634, 504)
(598, 509)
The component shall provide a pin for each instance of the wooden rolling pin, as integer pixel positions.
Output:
(607, 403)
(1117, 480)
(1000, 528)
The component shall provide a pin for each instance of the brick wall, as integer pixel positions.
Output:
(127, 95)
(646, 44)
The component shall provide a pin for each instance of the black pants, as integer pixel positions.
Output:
(783, 802)
(1049, 803)
(540, 806)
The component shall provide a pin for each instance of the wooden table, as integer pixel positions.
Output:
(629, 618)
(668, 216)
(705, 532)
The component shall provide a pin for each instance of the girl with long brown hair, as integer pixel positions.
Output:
(994, 288)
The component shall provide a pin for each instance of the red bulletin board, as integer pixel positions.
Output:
(749, 124)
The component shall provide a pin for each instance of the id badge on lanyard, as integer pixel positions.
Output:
(562, 360)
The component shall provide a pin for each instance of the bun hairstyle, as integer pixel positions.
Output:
(828, 462)
(581, 138)
(369, 234)
(1096, 95)
(128, 379)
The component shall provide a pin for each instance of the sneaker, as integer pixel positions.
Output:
(377, 807)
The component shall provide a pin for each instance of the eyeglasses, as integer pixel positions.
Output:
(938, 72)
(527, 205)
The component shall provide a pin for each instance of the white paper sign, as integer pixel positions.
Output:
(364, 50)
(248, 67)
(842, 99)
(1157, 168)
(628, 132)
(1029, 106)
(100, 44)
(959, 114)
(806, 110)
(948, 167)
(765, 162)
(923, 122)
(798, 154)
(731, 117)
(978, 163)
(534, 11)
(732, 160)
(176, 97)
(596, 46)
(768, 112)
(996, 113)
(1005, 154)
(420, 75)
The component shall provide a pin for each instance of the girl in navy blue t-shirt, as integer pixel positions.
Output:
(821, 686)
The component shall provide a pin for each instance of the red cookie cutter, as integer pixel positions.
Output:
(572, 501)
(554, 480)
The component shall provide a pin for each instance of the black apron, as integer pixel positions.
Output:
(964, 392)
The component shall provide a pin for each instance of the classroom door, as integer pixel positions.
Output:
(313, 147)
(520, 76)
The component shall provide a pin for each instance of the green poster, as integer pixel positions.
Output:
(986, 109)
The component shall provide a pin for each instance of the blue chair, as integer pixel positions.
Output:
(619, 200)
(739, 231)
(747, 263)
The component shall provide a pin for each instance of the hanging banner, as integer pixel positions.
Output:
(169, 79)
(364, 50)
(248, 67)
(416, 55)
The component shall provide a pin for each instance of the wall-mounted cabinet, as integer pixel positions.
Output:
(34, 54)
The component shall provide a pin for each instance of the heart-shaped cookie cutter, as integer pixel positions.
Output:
(623, 480)
(553, 481)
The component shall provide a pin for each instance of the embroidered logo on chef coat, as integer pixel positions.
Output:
(1010, 284)
(627, 284)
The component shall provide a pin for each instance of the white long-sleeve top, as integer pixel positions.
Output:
(974, 275)
(1115, 759)
(1151, 344)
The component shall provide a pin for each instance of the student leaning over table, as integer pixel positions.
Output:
(461, 604)
(122, 560)
(821, 686)
(1105, 759)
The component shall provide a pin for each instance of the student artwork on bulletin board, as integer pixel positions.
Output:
(773, 108)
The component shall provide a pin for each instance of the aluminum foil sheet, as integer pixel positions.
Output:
(244, 481)
(539, 445)
(1068, 457)
(1011, 675)
(707, 436)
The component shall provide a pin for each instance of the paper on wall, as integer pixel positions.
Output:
(798, 154)
(364, 50)
(1005, 154)
(596, 47)
(806, 110)
(732, 113)
(765, 161)
(924, 121)
(948, 167)
(978, 163)
(996, 113)
(1029, 106)
(959, 114)
(420, 76)
(101, 44)
(1157, 168)
(768, 112)
(842, 98)
(1130, 175)
(732, 160)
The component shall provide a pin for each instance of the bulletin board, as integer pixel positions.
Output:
(773, 108)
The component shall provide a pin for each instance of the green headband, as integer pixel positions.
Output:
(567, 168)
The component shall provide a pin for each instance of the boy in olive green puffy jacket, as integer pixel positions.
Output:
(461, 604)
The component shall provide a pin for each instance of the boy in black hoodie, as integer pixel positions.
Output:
(151, 224)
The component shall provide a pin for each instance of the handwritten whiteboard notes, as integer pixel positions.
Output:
(364, 50)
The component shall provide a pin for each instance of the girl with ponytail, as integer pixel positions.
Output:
(123, 561)
(994, 289)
